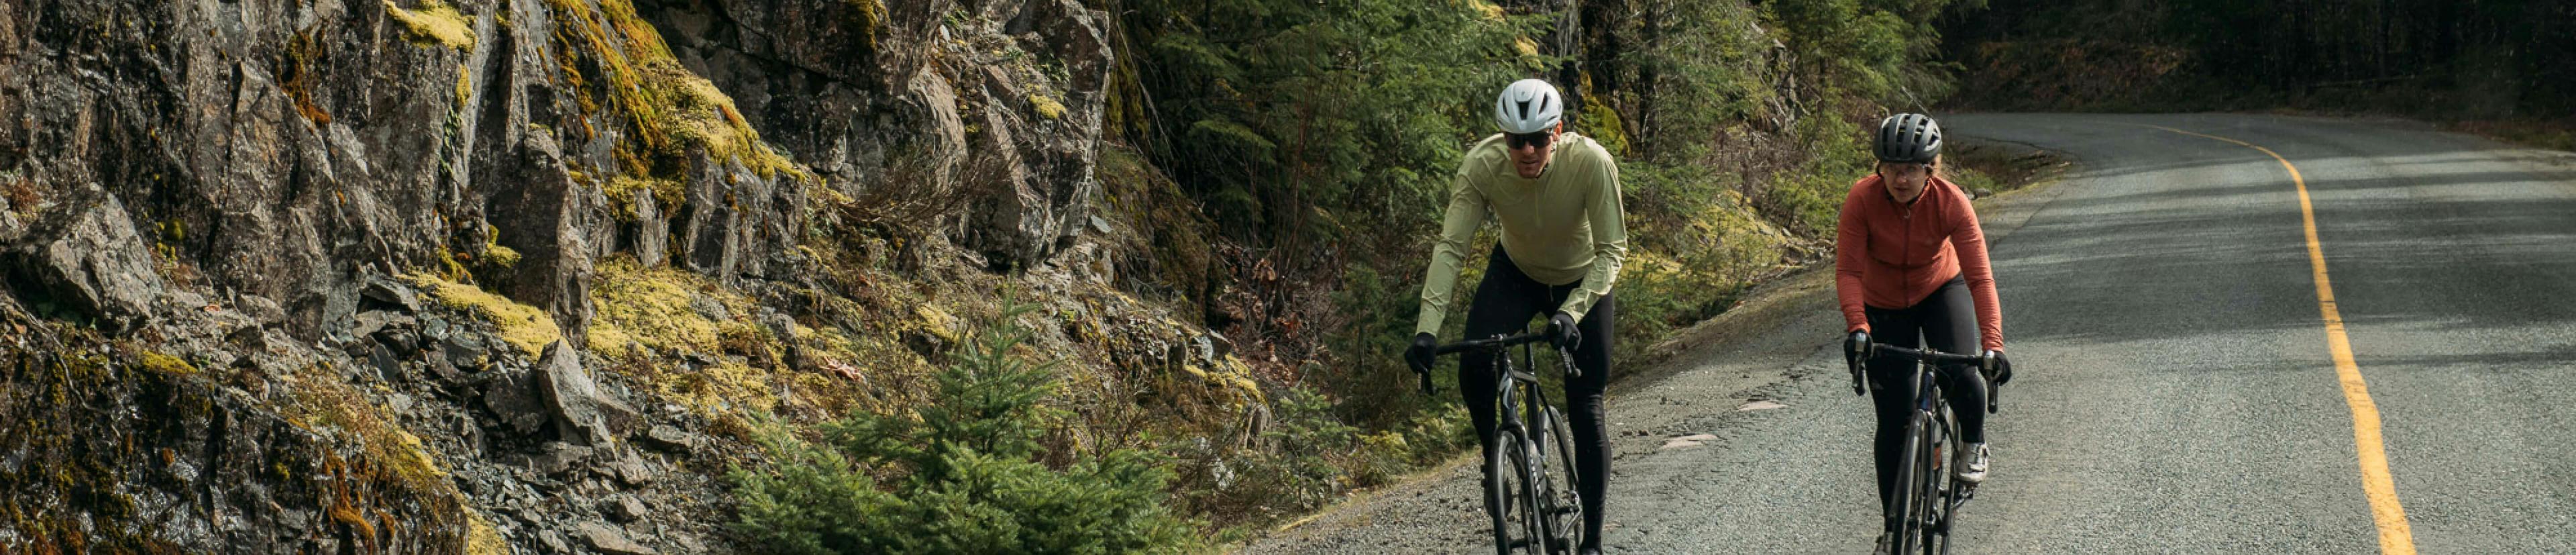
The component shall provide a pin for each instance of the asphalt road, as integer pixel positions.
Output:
(2177, 392)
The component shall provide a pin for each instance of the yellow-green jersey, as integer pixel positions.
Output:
(1566, 225)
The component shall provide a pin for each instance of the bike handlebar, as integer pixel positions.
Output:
(1498, 342)
(1927, 355)
(1993, 390)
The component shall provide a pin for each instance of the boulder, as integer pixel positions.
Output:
(573, 402)
(91, 262)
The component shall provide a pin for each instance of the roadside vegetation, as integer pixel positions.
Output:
(2494, 68)
(1281, 166)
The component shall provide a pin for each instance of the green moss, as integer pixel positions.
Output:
(1603, 126)
(697, 113)
(938, 322)
(1047, 107)
(867, 17)
(500, 256)
(450, 269)
(464, 87)
(725, 389)
(668, 111)
(495, 255)
(391, 453)
(164, 363)
(623, 192)
(583, 37)
(480, 537)
(434, 23)
(522, 326)
(637, 307)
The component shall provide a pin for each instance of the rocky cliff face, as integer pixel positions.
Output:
(996, 101)
(250, 249)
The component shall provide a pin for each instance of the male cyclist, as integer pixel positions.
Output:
(1910, 266)
(1556, 195)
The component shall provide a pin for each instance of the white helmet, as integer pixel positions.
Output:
(1528, 106)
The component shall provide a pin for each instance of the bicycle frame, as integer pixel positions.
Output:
(1512, 380)
(1523, 419)
(1508, 389)
(1927, 477)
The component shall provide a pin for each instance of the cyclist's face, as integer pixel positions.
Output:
(1530, 152)
(1905, 182)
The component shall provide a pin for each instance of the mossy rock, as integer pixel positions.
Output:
(164, 363)
(1046, 107)
(669, 112)
(719, 390)
(526, 327)
(652, 309)
(625, 191)
(434, 22)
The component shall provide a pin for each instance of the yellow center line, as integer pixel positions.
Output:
(2395, 537)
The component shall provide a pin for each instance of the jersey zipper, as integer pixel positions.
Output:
(1905, 213)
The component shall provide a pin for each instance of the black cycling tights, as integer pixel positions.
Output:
(1949, 321)
(1505, 303)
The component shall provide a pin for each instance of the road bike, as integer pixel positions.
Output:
(1927, 494)
(1530, 483)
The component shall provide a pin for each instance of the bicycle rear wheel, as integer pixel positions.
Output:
(1509, 497)
(1564, 504)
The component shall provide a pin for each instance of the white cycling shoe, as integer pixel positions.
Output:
(1972, 468)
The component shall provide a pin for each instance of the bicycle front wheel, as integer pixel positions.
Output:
(1909, 504)
(1509, 497)
(1564, 497)
(1939, 483)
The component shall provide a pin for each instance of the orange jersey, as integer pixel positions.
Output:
(1891, 256)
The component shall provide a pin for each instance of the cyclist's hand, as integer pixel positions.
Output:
(1419, 355)
(1856, 351)
(1561, 332)
(1997, 366)
(1857, 348)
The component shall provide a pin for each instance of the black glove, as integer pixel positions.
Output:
(1419, 356)
(1997, 367)
(1561, 332)
(1856, 352)
(1857, 348)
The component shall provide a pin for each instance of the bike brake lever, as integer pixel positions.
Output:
(1427, 388)
(1857, 387)
(1565, 359)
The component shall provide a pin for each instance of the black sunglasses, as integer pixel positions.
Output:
(1529, 140)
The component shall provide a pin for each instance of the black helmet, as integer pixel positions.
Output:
(1908, 138)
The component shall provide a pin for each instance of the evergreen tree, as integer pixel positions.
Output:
(970, 476)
